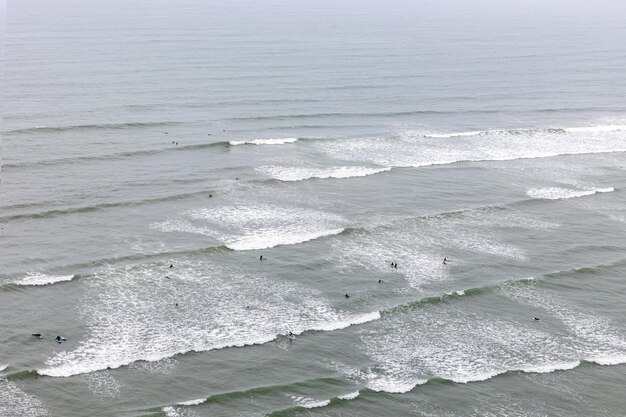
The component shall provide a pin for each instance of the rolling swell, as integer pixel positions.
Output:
(364, 393)
(114, 156)
(97, 126)
(64, 370)
(97, 207)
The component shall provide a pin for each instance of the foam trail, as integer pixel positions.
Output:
(3, 367)
(309, 402)
(349, 396)
(131, 315)
(300, 173)
(558, 193)
(193, 402)
(276, 141)
(270, 240)
(416, 149)
(257, 227)
(547, 368)
(38, 278)
(599, 128)
(607, 359)
(452, 135)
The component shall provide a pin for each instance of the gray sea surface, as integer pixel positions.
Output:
(153, 151)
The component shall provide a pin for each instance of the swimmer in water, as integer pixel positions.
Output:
(347, 296)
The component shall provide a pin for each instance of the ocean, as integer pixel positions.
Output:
(154, 151)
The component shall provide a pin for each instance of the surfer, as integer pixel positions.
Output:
(261, 258)
(380, 281)
(60, 339)
(445, 261)
(171, 265)
(38, 335)
(535, 318)
(347, 296)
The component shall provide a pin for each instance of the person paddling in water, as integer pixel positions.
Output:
(445, 261)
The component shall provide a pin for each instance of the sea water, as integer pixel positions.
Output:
(153, 151)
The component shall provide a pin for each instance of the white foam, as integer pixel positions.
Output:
(264, 226)
(267, 239)
(414, 149)
(440, 341)
(594, 337)
(103, 384)
(476, 376)
(193, 402)
(607, 359)
(309, 402)
(349, 396)
(38, 278)
(273, 141)
(130, 315)
(455, 134)
(558, 193)
(303, 173)
(550, 367)
(599, 128)
(173, 412)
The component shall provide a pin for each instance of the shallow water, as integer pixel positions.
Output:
(332, 139)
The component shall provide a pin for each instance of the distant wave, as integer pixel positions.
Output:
(300, 173)
(416, 149)
(599, 128)
(562, 130)
(277, 141)
(96, 126)
(38, 278)
(167, 147)
(558, 193)
(97, 207)
(73, 368)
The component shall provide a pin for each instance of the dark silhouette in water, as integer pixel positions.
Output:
(347, 296)
(445, 261)
(60, 339)
(171, 265)
(380, 281)
(535, 318)
(261, 258)
(38, 335)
